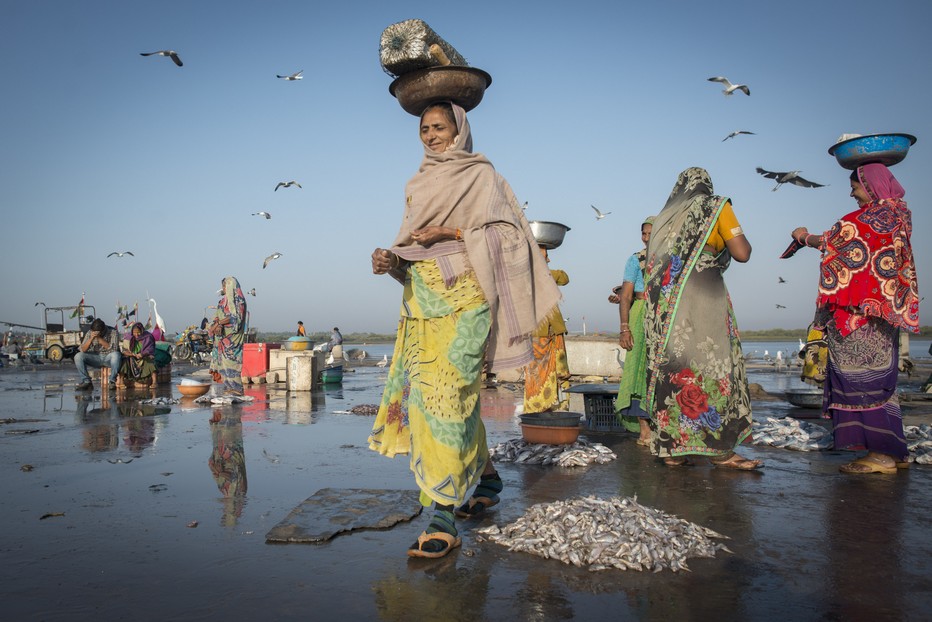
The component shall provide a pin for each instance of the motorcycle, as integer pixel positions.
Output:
(193, 345)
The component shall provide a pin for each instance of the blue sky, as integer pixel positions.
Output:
(591, 103)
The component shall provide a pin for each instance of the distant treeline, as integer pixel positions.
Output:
(771, 334)
(356, 338)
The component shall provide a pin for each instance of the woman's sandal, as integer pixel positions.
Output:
(738, 463)
(867, 465)
(475, 506)
(447, 541)
(676, 462)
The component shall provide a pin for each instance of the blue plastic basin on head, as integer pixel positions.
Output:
(887, 149)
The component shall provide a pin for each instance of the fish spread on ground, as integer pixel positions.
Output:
(607, 533)
(789, 433)
(160, 401)
(580, 453)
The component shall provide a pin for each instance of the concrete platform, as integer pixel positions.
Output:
(163, 515)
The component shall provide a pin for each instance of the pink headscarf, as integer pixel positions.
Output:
(880, 182)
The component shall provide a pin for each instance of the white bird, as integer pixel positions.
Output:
(729, 87)
(735, 133)
(287, 184)
(172, 54)
(524, 206)
(265, 215)
(789, 177)
(801, 345)
(779, 363)
(599, 215)
(252, 292)
(329, 360)
(121, 254)
(158, 318)
(618, 357)
(270, 258)
(295, 76)
(383, 362)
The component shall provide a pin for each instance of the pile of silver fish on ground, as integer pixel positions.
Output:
(224, 399)
(603, 534)
(580, 453)
(789, 433)
(919, 442)
(160, 401)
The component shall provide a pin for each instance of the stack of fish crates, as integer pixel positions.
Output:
(600, 413)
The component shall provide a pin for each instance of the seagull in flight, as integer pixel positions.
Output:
(295, 76)
(172, 54)
(270, 258)
(121, 254)
(287, 184)
(252, 292)
(791, 177)
(780, 279)
(733, 134)
(729, 87)
(599, 215)
(265, 215)
(779, 306)
(39, 303)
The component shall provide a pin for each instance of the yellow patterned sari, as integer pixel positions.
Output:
(430, 407)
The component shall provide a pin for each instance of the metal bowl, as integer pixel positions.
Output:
(548, 234)
(416, 90)
(886, 149)
(805, 399)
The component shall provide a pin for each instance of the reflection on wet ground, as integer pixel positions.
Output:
(150, 516)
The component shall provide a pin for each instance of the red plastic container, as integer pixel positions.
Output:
(256, 358)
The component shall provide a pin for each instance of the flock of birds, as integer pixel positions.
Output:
(781, 177)
(173, 55)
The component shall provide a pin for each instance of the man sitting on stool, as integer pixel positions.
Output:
(100, 348)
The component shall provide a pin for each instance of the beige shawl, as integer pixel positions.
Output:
(461, 190)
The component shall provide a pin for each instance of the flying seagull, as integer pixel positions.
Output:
(779, 306)
(39, 303)
(252, 292)
(295, 76)
(524, 206)
(780, 279)
(791, 177)
(733, 134)
(599, 215)
(729, 87)
(270, 258)
(287, 184)
(265, 215)
(172, 54)
(121, 254)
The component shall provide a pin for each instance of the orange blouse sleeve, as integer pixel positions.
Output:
(726, 228)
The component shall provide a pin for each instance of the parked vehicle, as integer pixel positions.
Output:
(64, 330)
(193, 345)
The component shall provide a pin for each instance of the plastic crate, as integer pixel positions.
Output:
(600, 413)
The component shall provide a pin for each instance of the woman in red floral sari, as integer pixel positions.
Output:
(867, 294)
(697, 390)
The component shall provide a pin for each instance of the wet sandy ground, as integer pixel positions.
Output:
(131, 481)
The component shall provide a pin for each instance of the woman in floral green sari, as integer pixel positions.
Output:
(697, 390)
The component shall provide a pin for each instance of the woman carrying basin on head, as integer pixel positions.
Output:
(867, 292)
(697, 390)
(475, 287)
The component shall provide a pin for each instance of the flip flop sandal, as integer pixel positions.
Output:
(475, 506)
(738, 463)
(866, 466)
(417, 549)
